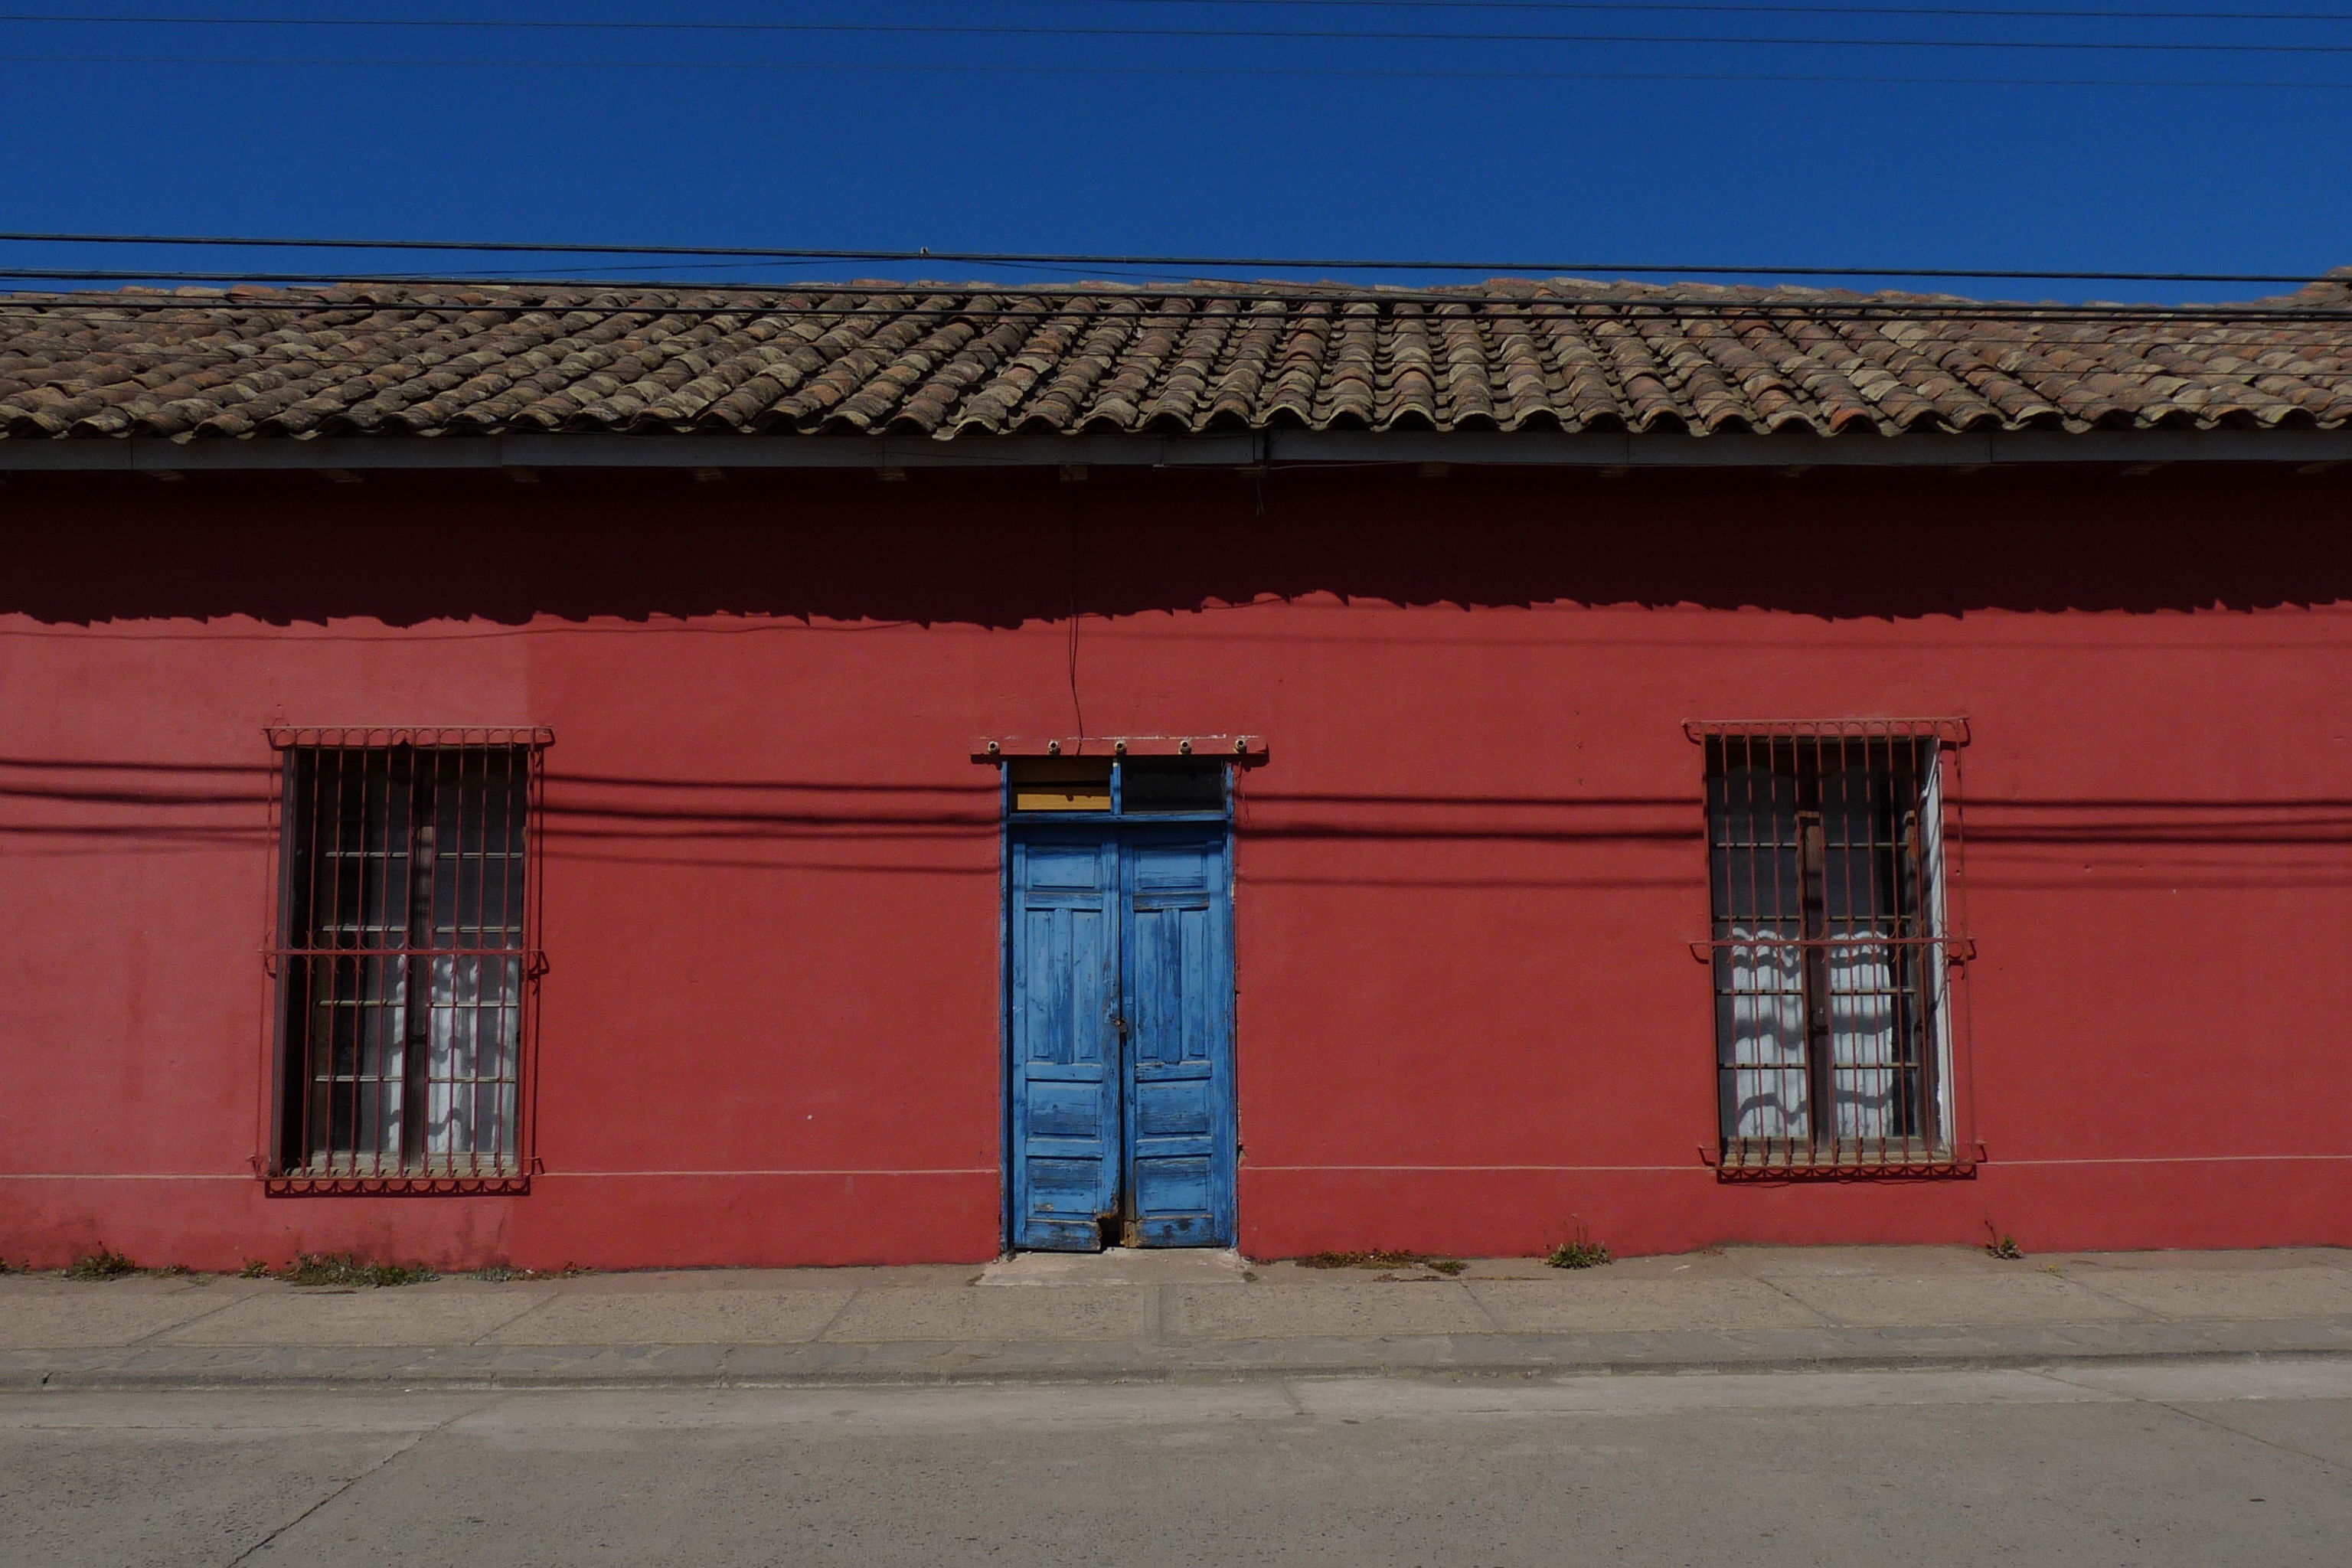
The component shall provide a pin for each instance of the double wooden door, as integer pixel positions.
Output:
(1120, 1009)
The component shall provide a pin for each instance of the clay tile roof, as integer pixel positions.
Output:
(969, 361)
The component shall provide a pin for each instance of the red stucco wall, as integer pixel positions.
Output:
(1468, 1017)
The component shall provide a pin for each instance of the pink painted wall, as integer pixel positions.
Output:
(1469, 1020)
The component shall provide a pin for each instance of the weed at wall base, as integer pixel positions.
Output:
(342, 1269)
(1381, 1260)
(1579, 1251)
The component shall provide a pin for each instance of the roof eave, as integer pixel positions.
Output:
(1244, 450)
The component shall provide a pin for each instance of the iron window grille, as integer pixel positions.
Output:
(406, 960)
(1830, 853)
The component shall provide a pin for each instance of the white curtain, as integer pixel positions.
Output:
(1762, 1027)
(1762, 1005)
(477, 1029)
(1760, 985)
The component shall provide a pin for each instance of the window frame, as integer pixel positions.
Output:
(276, 1163)
(1951, 1150)
(1228, 770)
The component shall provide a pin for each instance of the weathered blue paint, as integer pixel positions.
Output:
(1064, 937)
(1121, 992)
(1178, 997)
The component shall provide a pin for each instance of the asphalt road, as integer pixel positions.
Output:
(2140, 1464)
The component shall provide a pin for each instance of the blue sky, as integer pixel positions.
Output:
(1134, 144)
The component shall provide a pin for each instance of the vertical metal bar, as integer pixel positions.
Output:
(448, 884)
(1913, 990)
(455, 822)
(303, 1041)
(521, 837)
(422, 840)
(497, 1071)
(339, 942)
(299, 929)
(1951, 891)
(1723, 905)
(368, 1089)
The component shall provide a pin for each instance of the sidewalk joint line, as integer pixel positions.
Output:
(188, 1323)
(2148, 1314)
(839, 1312)
(502, 1326)
(1494, 1323)
(1829, 1318)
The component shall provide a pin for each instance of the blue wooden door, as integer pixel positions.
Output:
(1065, 1068)
(1120, 976)
(1178, 1003)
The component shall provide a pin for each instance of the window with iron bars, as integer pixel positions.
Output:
(1830, 946)
(404, 962)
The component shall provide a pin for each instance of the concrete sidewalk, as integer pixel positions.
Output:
(1177, 1315)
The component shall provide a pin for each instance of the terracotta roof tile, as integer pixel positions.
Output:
(910, 360)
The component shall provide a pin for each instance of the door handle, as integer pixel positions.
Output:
(1118, 1022)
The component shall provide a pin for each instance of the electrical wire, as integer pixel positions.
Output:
(1202, 289)
(1253, 35)
(1302, 73)
(1305, 34)
(1971, 12)
(1666, 7)
(1079, 258)
(1195, 308)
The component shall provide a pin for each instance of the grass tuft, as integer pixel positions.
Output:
(1359, 1261)
(506, 1273)
(1381, 1260)
(1579, 1251)
(2004, 1246)
(342, 1269)
(103, 1264)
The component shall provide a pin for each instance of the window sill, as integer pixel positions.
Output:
(397, 1185)
(1872, 1162)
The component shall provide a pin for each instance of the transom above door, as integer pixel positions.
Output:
(1119, 1005)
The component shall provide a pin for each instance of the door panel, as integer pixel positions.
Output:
(1065, 1086)
(1179, 1005)
(1120, 953)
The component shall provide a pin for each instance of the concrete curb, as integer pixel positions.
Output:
(938, 1363)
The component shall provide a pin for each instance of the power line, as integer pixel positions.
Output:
(1969, 12)
(277, 62)
(1190, 305)
(1252, 35)
(1682, 6)
(1069, 258)
(537, 23)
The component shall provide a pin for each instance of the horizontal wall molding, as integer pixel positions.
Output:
(358, 454)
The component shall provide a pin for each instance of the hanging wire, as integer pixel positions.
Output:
(1243, 35)
(1098, 258)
